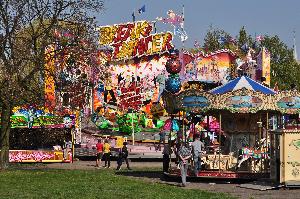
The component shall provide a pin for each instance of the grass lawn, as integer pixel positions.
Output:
(48, 183)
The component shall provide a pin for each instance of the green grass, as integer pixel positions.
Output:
(43, 183)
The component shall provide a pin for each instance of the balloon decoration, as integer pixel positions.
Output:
(171, 125)
(173, 84)
(173, 66)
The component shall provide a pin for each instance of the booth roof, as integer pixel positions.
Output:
(242, 82)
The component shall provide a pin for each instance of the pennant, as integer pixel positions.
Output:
(245, 47)
(259, 38)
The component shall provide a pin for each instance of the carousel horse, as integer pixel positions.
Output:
(256, 154)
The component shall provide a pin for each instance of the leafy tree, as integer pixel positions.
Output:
(26, 29)
(216, 39)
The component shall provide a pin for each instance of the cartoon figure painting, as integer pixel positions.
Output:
(177, 22)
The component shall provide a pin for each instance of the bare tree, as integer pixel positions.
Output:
(26, 29)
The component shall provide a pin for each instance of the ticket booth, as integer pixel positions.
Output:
(285, 157)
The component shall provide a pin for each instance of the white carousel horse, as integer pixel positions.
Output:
(248, 153)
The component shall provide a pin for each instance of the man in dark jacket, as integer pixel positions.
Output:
(123, 155)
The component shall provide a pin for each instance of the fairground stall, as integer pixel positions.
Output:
(285, 140)
(236, 141)
(39, 136)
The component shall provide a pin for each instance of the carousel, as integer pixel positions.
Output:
(244, 126)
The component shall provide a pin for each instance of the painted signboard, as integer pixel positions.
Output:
(134, 39)
(39, 156)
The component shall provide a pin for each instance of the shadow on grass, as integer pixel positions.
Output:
(154, 175)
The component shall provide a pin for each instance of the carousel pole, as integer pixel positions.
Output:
(259, 140)
(132, 128)
(267, 138)
(183, 24)
(220, 130)
(170, 142)
(73, 144)
(183, 130)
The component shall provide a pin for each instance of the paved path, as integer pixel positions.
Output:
(209, 185)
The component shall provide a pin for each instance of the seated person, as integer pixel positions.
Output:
(57, 148)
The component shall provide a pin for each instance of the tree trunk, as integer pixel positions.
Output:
(4, 136)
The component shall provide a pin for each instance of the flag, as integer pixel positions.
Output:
(140, 11)
(222, 40)
(259, 38)
(133, 16)
(197, 44)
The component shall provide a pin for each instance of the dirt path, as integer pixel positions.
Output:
(151, 175)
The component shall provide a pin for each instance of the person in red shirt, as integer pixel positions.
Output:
(99, 147)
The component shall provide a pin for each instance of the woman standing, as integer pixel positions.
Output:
(184, 154)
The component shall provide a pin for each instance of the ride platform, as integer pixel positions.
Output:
(243, 175)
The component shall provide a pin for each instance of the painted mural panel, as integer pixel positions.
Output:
(208, 68)
(289, 103)
(243, 102)
(195, 101)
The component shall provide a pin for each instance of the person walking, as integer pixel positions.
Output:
(99, 147)
(197, 147)
(166, 157)
(106, 150)
(123, 155)
(184, 155)
(162, 137)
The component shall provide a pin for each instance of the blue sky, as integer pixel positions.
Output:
(272, 17)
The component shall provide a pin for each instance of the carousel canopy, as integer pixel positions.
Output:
(242, 82)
